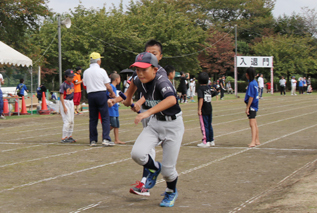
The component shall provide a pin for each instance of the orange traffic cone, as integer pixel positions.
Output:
(16, 107)
(44, 110)
(6, 110)
(23, 108)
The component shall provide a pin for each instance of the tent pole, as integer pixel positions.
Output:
(31, 90)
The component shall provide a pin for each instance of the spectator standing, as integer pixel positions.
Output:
(261, 85)
(282, 85)
(77, 81)
(300, 85)
(1, 98)
(191, 90)
(304, 85)
(182, 88)
(268, 87)
(97, 83)
(222, 83)
(293, 82)
(21, 88)
(252, 102)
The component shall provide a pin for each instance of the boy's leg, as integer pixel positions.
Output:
(257, 139)
(70, 106)
(211, 130)
(206, 124)
(1, 102)
(65, 121)
(253, 126)
(174, 131)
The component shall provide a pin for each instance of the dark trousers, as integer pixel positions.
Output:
(1, 102)
(98, 104)
(261, 92)
(222, 93)
(206, 127)
(301, 90)
(282, 88)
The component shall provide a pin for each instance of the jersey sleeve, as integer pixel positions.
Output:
(61, 89)
(166, 88)
(252, 92)
(200, 93)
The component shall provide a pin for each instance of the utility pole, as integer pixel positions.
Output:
(235, 64)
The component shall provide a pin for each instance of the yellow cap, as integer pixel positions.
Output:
(95, 55)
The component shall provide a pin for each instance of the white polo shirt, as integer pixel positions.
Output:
(1, 78)
(261, 82)
(95, 78)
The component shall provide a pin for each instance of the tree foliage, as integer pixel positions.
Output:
(218, 57)
(290, 56)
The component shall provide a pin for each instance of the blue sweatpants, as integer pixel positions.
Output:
(1, 102)
(98, 104)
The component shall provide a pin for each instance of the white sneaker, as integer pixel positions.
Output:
(2, 117)
(107, 143)
(212, 143)
(204, 145)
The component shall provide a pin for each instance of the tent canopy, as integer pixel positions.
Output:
(9, 56)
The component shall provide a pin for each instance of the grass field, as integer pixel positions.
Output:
(39, 174)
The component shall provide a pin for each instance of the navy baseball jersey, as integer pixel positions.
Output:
(67, 89)
(157, 90)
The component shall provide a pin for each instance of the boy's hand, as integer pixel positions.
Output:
(199, 112)
(136, 107)
(65, 110)
(111, 102)
(112, 95)
(247, 111)
(141, 116)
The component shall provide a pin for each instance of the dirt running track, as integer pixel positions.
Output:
(38, 174)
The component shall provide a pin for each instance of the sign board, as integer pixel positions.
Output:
(255, 61)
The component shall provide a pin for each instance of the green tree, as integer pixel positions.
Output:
(291, 25)
(17, 17)
(292, 55)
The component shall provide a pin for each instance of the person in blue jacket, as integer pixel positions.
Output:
(21, 88)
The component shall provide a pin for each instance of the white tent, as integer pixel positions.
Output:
(9, 56)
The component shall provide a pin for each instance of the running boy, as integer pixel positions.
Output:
(252, 101)
(67, 106)
(114, 110)
(156, 49)
(205, 93)
(166, 124)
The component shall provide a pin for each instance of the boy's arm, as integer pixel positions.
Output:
(132, 88)
(200, 105)
(63, 103)
(111, 93)
(249, 104)
(163, 105)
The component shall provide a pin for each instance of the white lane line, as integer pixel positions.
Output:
(10, 150)
(47, 157)
(218, 160)
(258, 196)
(128, 117)
(64, 175)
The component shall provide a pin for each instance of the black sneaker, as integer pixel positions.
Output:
(72, 139)
(93, 143)
(66, 140)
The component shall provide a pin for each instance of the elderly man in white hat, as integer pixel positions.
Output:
(97, 83)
